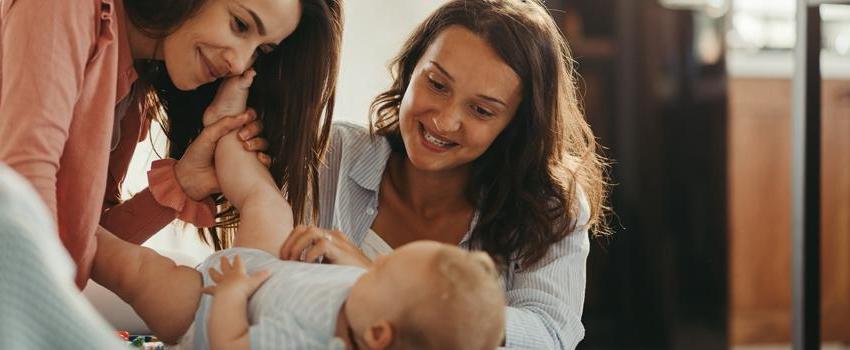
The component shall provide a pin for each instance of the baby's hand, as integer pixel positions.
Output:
(231, 97)
(234, 280)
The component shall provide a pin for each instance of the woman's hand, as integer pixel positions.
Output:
(311, 242)
(195, 171)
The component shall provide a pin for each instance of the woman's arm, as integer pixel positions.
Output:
(545, 300)
(138, 218)
(180, 189)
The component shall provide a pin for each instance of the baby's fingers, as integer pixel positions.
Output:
(209, 290)
(215, 275)
(238, 265)
(225, 265)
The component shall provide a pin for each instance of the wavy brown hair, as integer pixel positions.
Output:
(293, 94)
(525, 185)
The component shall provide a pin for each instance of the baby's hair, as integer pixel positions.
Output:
(463, 308)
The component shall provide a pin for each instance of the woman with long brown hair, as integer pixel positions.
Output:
(479, 142)
(82, 80)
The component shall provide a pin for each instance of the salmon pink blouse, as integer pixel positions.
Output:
(65, 69)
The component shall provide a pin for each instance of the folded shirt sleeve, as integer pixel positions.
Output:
(546, 300)
(137, 219)
(168, 192)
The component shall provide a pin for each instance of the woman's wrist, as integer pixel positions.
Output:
(184, 179)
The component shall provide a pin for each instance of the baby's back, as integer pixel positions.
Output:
(296, 308)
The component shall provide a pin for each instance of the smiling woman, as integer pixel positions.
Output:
(225, 37)
(221, 39)
(82, 81)
(479, 142)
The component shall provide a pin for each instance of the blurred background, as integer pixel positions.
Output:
(692, 100)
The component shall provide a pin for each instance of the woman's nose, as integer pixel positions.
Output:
(448, 120)
(238, 61)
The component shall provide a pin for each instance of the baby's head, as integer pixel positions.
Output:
(428, 295)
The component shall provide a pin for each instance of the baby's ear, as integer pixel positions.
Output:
(379, 336)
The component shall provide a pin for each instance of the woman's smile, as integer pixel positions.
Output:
(434, 142)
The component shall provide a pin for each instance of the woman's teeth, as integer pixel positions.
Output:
(436, 141)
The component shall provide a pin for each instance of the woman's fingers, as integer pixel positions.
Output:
(211, 134)
(308, 237)
(287, 245)
(252, 129)
(256, 144)
(320, 248)
(264, 158)
(299, 240)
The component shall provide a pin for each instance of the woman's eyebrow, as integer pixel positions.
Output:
(488, 98)
(261, 28)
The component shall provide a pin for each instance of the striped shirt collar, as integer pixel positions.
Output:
(369, 167)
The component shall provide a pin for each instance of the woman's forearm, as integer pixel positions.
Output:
(138, 218)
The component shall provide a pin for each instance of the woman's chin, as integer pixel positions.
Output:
(185, 85)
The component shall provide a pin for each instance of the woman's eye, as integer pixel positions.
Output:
(239, 25)
(437, 85)
(483, 111)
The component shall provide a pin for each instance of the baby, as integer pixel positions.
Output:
(423, 295)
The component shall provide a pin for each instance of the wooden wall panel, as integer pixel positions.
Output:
(835, 217)
(759, 211)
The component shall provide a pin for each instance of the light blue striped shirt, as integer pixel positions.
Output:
(295, 308)
(545, 300)
(40, 306)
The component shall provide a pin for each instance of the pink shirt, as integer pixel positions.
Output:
(65, 65)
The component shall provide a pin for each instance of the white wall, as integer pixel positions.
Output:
(374, 32)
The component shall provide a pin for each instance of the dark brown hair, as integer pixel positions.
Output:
(526, 184)
(293, 94)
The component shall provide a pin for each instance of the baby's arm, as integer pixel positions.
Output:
(164, 294)
(266, 217)
(227, 324)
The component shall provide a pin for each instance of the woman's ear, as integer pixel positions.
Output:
(379, 336)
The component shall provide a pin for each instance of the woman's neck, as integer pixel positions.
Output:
(428, 193)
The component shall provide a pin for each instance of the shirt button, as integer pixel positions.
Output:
(370, 211)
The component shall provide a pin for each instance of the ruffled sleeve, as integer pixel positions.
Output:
(164, 187)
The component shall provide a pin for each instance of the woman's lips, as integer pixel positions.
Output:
(208, 68)
(434, 142)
